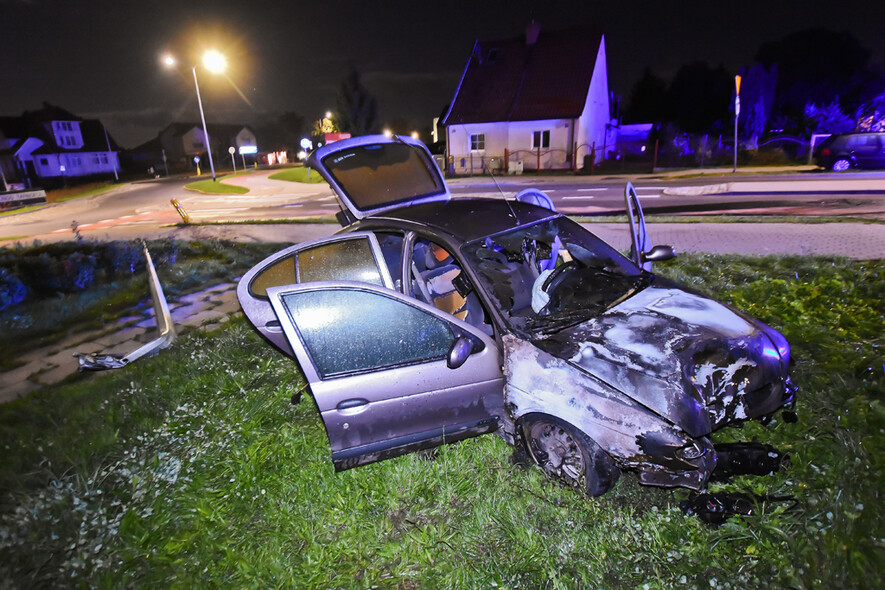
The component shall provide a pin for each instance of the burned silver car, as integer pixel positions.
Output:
(430, 319)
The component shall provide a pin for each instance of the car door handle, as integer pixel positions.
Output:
(274, 327)
(350, 404)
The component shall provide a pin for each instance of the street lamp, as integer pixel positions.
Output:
(737, 113)
(215, 63)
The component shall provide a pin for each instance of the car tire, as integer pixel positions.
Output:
(568, 455)
(841, 165)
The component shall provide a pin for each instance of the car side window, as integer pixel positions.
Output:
(348, 260)
(392, 249)
(347, 331)
(342, 260)
(438, 279)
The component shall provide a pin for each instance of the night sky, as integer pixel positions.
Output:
(101, 59)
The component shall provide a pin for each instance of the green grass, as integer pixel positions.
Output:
(213, 187)
(191, 469)
(79, 192)
(26, 209)
(299, 174)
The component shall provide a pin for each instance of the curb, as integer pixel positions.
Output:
(772, 188)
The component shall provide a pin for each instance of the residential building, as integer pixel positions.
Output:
(176, 146)
(49, 146)
(535, 102)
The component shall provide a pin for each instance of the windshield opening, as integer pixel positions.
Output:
(552, 274)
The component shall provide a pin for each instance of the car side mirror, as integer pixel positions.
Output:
(459, 352)
(658, 254)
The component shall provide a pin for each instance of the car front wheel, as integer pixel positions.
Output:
(568, 455)
(841, 165)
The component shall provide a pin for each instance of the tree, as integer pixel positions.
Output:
(817, 66)
(649, 101)
(872, 115)
(758, 87)
(357, 112)
(827, 118)
(292, 125)
(701, 96)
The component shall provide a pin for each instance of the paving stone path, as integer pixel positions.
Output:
(206, 309)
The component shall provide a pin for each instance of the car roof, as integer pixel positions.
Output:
(464, 219)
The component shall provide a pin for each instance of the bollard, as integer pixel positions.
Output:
(185, 218)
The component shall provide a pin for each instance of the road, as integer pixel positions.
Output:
(147, 205)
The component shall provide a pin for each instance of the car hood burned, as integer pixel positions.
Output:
(691, 360)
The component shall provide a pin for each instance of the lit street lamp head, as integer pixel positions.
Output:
(168, 60)
(214, 61)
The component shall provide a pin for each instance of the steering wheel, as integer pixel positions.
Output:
(555, 278)
(552, 283)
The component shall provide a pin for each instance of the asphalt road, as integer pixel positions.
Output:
(142, 206)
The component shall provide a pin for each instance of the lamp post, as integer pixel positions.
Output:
(214, 62)
(737, 113)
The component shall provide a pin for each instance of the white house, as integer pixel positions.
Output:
(534, 102)
(50, 145)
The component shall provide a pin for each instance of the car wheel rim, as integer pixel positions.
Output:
(840, 165)
(557, 452)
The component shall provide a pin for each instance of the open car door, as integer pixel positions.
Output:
(351, 257)
(390, 374)
(641, 251)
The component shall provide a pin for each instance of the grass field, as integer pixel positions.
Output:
(212, 187)
(299, 174)
(192, 469)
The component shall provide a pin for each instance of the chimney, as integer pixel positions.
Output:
(531, 33)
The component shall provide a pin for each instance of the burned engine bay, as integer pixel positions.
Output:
(647, 369)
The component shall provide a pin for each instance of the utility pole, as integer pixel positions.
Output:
(737, 113)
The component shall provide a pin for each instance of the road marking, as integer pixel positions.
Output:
(657, 196)
(580, 190)
(585, 197)
(650, 188)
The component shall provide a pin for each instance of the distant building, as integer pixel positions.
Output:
(175, 147)
(49, 146)
(539, 101)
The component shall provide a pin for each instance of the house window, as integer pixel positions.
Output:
(541, 139)
(104, 158)
(477, 142)
(44, 161)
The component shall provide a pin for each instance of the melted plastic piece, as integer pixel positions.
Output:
(100, 362)
(715, 509)
(746, 458)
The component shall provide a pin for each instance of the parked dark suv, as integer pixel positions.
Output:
(851, 150)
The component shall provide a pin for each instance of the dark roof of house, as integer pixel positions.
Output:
(38, 124)
(511, 80)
